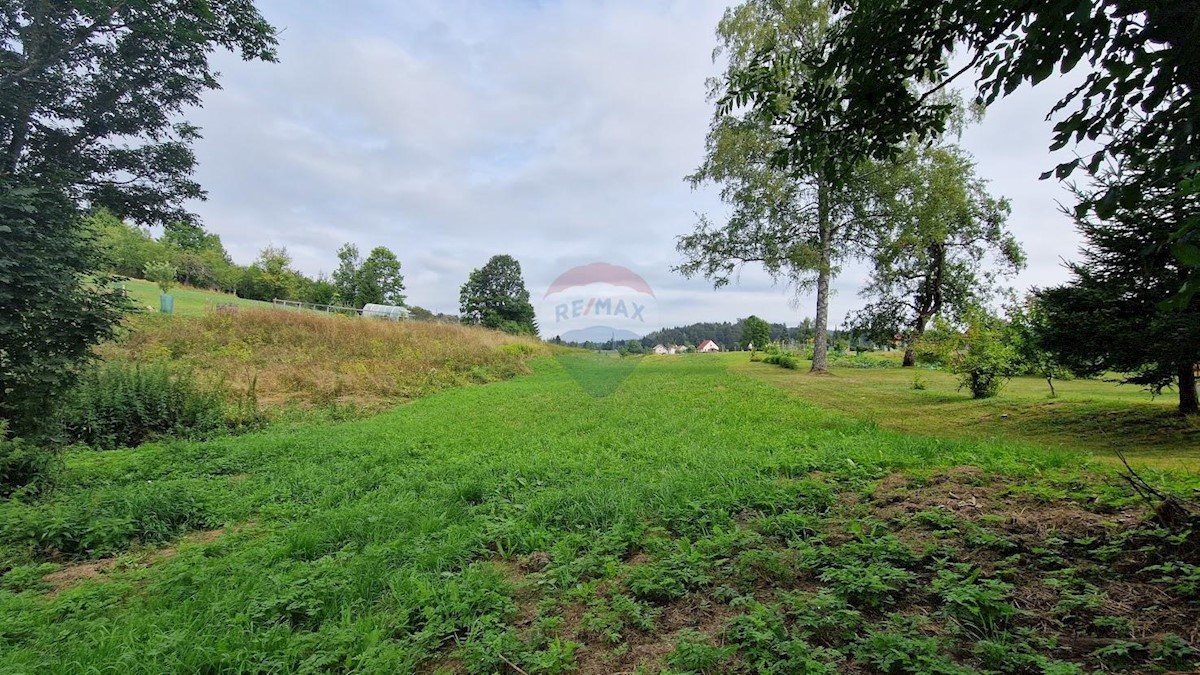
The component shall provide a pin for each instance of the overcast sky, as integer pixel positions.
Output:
(557, 132)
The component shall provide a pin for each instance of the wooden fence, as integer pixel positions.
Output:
(329, 309)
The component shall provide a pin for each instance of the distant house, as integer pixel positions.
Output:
(669, 350)
(707, 346)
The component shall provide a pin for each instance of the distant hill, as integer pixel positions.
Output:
(598, 334)
(729, 335)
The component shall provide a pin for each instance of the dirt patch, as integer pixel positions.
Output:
(199, 537)
(72, 574)
(639, 558)
(1080, 574)
(75, 573)
(647, 651)
(639, 650)
(1073, 566)
(535, 562)
(648, 657)
(966, 492)
(525, 593)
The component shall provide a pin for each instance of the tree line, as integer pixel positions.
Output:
(834, 138)
(200, 260)
(733, 335)
(494, 295)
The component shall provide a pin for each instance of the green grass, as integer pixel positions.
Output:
(692, 519)
(1093, 416)
(188, 301)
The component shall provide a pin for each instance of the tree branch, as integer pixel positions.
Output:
(83, 35)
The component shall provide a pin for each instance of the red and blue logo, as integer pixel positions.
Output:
(596, 303)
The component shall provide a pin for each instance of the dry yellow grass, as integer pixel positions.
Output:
(308, 358)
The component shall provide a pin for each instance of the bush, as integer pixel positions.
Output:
(843, 360)
(983, 356)
(125, 405)
(25, 470)
(783, 359)
(938, 345)
(988, 360)
(111, 521)
(162, 273)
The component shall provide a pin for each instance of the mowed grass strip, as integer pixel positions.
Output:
(480, 526)
(1092, 416)
(189, 301)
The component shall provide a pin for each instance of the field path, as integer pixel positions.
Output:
(465, 531)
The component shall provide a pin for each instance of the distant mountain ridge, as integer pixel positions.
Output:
(598, 334)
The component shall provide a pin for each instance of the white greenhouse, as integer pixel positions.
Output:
(391, 312)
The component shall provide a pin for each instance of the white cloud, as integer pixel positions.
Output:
(556, 132)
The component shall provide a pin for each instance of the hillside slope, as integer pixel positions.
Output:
(311, 358)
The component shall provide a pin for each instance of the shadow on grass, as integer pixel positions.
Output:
(598, 374)
(1088, 416)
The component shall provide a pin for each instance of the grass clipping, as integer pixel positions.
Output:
(290, 358)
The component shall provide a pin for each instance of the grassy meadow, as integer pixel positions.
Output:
(1092, 416)
(677, 514)
(188, 301)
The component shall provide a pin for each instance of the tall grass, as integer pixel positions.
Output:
(26, 470)
(307, 358)
(125, 405)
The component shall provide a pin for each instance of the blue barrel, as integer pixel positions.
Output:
(166, 304)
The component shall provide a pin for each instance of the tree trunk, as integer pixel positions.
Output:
(928, 301)
(910, 355)
(33, 46)
(1189, 404)
(820, 361)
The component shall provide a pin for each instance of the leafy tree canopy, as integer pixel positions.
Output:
(91, 95)
(91, 98)
(875, 77)
(379, 279)
(495, 296)
(799, 225)
(940, 244)
(755, 332)
(345, 277)
(375, 280)
(1115, 314)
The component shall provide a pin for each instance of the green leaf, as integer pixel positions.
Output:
(1042, 71)
(1063, 170)
(1107, 206)
(1188, 254)
(1119, 68)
